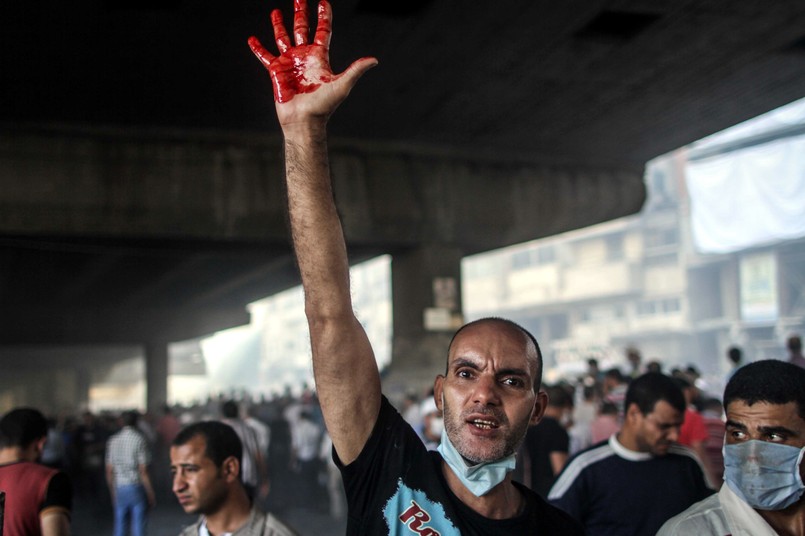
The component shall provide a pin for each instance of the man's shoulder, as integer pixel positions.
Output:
(681, 454)
(191, 530)
(265, 524)
(549, 518)
(704, 517)
(29, 468)
(592, 455)
(595, 456)
(127, 433)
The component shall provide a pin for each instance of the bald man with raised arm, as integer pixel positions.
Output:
(489, 393)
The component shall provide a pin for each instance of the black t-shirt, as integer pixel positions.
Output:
(396, 487)
(541, 440)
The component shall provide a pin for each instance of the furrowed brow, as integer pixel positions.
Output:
(464, 362)
(514, 372)
(781, 430)
(736, 425)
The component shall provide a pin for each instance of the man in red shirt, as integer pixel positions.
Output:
(693, 432)
(38, 498)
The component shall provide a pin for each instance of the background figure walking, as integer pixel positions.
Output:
(127, 459)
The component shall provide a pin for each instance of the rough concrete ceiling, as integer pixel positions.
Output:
(593, 83)
(621, 80)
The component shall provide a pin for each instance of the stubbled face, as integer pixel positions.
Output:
(487, 394)
(775, 423)
(199, 485)
(658, 430)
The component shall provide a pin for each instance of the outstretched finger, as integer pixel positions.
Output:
(280, 35)
(300, 24)
(262, 54)
(350, 77)
(324, 27)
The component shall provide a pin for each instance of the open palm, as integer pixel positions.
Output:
(304, 83)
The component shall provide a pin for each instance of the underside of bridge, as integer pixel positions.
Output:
(141, 194)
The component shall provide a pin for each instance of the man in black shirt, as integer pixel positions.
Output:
(547, 444)
(489, 393)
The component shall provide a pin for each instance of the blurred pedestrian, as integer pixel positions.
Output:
(546, 446)
(640, 478)
(38, 498)
(127, 460)
(794, 345)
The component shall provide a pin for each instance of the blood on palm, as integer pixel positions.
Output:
(291, 73)
(302, 68)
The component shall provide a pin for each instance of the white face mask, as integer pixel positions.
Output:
(765, 475)
(480, 478)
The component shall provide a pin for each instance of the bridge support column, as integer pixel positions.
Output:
(83, 383)
(156, 375)
(426, 293)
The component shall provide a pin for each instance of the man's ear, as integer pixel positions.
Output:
(632, 413)
(438, 392)
(540, 403)
(33, 452)
(231, 469)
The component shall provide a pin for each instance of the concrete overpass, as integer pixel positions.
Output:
(141, 197)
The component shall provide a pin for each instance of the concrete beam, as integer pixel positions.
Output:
(110, 325)
(166, 185)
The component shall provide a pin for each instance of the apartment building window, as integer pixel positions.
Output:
(521, 260)
(657, 238)
(658, 307)
(546, 255)
(614, 247)
(557, 326)
(602, 313)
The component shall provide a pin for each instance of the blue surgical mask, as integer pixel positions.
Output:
(765, 475)
(480, 478)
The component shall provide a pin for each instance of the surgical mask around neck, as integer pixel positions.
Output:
(480, 478)
(765, 475)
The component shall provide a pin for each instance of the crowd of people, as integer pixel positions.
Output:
(619, 453)
(593, 453)
(120, 462)
(624, 452)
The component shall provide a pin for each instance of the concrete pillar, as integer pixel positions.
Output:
(426, 295)
(83, 382)
(156, 375)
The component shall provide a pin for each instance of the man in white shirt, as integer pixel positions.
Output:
(763, 451)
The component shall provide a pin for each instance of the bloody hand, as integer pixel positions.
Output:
(304, 68)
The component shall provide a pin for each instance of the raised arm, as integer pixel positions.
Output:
(307, 92)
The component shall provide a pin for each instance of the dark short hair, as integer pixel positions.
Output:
(230, 409)
(22, 426)
(734, 354)
(515, 325)
(608, 408)
(558, 397)
(220, 439)
(771, 381)
(615, 374)
(794, 343)
(130, 418)
(650, 388)
(683, 383)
